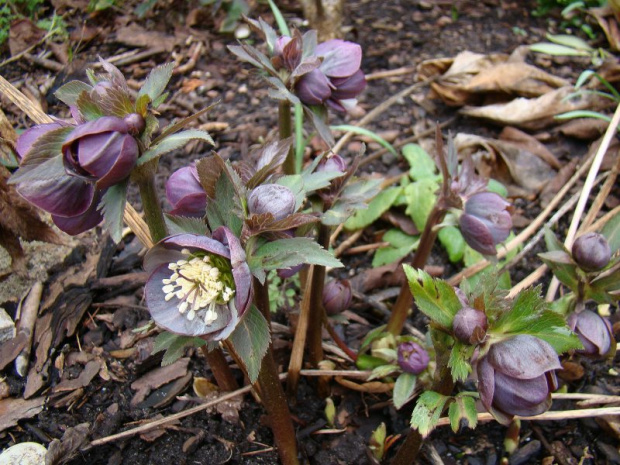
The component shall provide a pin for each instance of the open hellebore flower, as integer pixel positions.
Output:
(272, 198)
(516, 377)
(470, 325)
(591, 251)
(486, 221)
(198, 285)
(594, 332)
(338, 80)
(412, 358)
(103, 150)
(337, 296)
(185, 193)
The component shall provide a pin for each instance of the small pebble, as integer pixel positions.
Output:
(7, 326)
(24, 453)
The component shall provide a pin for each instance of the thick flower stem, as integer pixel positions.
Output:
(315, 323)
(285, 129)
(220, 368)
(153, 214)
(405, 299)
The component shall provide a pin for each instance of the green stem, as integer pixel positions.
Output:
(403, 304)
(220, 368)
(153, 214)
(272, 393)
(284, 126)
(299, 137)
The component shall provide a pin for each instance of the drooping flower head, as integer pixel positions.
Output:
(516, 377)
(198, 285)
(594, 332)
(185, 193)
(486, 221)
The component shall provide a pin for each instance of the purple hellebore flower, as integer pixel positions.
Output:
(101, 151)
(591, 251)
(337, 296)
(337, 80)
(198, 285)
(594, 332)
(470, 325)
(287, 52)
(185, 193)
(412, 358)
(486, 221)
(516, 377)
(272, 198)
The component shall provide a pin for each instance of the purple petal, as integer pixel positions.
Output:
(30, 136)
(349, 87)
(340, 58)
(486, 382)
(523, 357)
(185, 193)
(521, 397)
(313, 88)
(103, 124)
(78, 224)
(477, 235)
(193, 205)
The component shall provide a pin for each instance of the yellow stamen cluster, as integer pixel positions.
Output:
(198, 285)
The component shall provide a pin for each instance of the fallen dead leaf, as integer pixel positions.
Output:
(14, 409)
(135, 35)
(156, 378)
(23, 33)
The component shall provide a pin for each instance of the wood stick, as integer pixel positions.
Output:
(27, 319)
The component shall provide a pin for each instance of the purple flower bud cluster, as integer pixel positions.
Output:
(95, 156)
(412, 358)
(516, 377)
(591, 251)
(275, 199)
(486, 221)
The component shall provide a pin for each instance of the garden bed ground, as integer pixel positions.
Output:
(95, 374)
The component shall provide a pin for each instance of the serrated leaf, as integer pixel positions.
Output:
(420, 197)
(173, 142)
(286, 253)
(434, 297)
(562, 267)
(604, 289)
(254, 57)
(156, 81)
(225, 207)
(427, 412)
(251, 340)
(116, 103)
(452, 240)
(174, 345)
(459, 360)
(422, 165)
(403, 389)
(278, 91)
(269, 159)
(112, 207)
(181, 224)
(69, 92)
(377, 206)
(611, 231)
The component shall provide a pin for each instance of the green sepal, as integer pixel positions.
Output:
(250, 340)
(368, 362)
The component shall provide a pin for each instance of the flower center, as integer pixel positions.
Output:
(201, 282)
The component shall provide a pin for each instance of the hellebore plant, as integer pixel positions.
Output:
(185, 194)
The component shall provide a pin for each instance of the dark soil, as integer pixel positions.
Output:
(393, 34)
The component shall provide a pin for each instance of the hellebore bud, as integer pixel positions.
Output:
(594, 332)
(412, 358)
(591, 251)
(516, 377)
(272, 198)
(185, 193)
(101, 151)
(287, 53)
(485, 222)
(135, 123)
(198, 285)
(470, 325)
(333, 163)
(337, 296)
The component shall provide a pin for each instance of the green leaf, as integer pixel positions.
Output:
(182, 224)
(156, 81)
(279, 91)
(286, 253)
(420, 197)
(452, 240)
(403, 389)
(377, 206)
(254, 57)
(368, 362)
(570, 40)
(463, 408)
(225, 208)
(562, 267)
(173, 142)
(69, 92)
(280, 21)
(422, 166)
(611, 231)
(368, 133)
(557, 49)
(401, 244)
(251, 340)
(382, 371)
(434, 297)
(497, 187)
(371, 336)
(174, 345)
(459, 360)
(427, 412)
(605, 289)
(317, 116)
(112, 208)
(354, 197)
